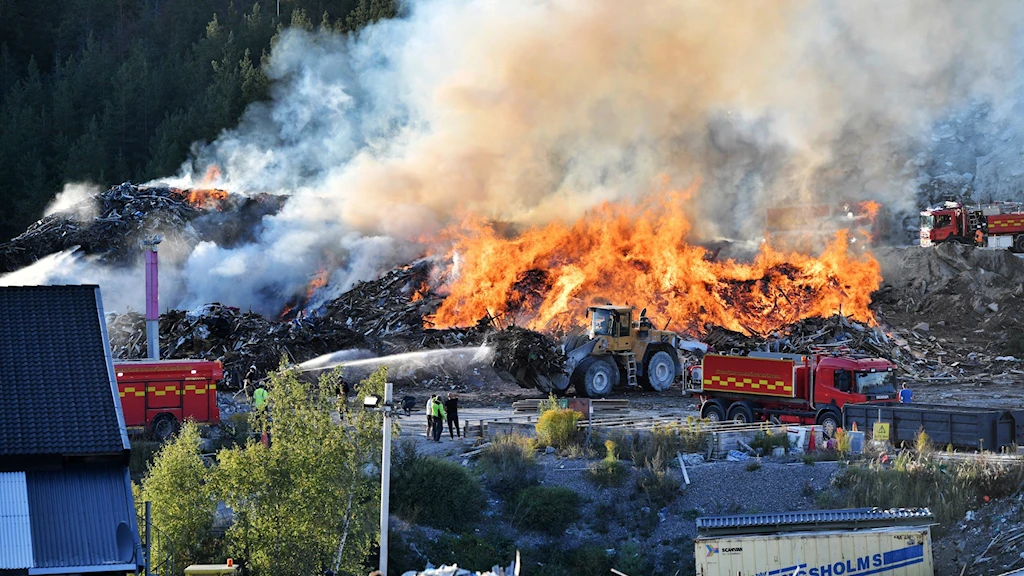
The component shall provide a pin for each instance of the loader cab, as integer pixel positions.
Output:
(613, 325)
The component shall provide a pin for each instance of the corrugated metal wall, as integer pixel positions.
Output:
(15, 528)
(76, 514)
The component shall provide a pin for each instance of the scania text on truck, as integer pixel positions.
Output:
(794, 388)
(161, 394)
(999, 225)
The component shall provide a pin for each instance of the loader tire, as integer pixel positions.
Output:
(560, 384)
(596, 377)
(660, 372)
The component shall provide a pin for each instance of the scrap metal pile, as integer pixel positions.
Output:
(238, 339)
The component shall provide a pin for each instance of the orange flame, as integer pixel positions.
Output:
(319, 281)
(871, 208)
(637, 254)
(212, 175)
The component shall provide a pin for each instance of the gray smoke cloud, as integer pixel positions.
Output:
(532, 111)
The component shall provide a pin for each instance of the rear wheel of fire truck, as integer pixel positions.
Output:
(741, 412)
(1018, 244)
(829, 422)
(660, 372)
(713, 411)
(164, 426)
(596, 377)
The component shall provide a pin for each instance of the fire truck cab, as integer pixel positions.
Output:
(998, 225)
(161, 394)
(794, 388)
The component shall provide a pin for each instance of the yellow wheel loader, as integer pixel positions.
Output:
(620, 351)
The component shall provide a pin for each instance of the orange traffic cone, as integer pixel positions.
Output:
(854, 426)
(812, 445)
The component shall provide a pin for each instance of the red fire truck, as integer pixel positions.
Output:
(160, 394)
(999, 225)
(799, 389)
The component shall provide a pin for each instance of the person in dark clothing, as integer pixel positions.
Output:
(451, 408)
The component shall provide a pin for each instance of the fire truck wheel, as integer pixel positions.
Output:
(741, 412)
(1018, 244)
(164, 426)
(596, 377)
(713, 411)
(660, 372)
(829, 422)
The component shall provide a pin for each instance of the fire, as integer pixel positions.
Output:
(319, 281)
(212, 175)
(638, 254)
(205, 198)
(871, 208)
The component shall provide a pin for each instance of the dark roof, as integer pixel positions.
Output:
(82, 517)
(58, 395)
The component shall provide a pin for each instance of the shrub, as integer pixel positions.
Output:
(753, 466)
(558, 428)
(844, 443)
(548, 509)
(656, 483)
(665, 440)
(609, 471)
(809, 459)
(949, 489)
(435, 492)
(631, 558)
(767, 441)
(555, 560)
(509, 464)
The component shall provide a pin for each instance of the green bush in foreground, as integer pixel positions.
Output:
(509, 464)
(435, 492)
(548, 509)
(656, 483)
(558, 428)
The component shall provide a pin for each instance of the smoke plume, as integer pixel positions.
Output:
(532, 111)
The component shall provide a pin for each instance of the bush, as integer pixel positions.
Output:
(753, 466)
(509, 464)
(555, 560)
(844, 443)
(609, 471)
(656, 483)
(665, 440)
(768, 441)
(548, 509)
(949, 489)
(558, 428)
(435, 492)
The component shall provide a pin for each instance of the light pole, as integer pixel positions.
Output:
(386, 407)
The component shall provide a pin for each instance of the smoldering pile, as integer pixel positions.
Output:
(121, 217)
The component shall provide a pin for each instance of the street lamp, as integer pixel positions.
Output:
(375, 403)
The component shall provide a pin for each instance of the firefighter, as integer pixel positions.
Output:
(451, 407)
(260, 397)
(906, 394)
(439, 416)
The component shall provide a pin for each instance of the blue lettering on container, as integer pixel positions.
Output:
(865, 566)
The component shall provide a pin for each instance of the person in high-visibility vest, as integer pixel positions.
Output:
(430, 415)
(260, 397)
(439, 416)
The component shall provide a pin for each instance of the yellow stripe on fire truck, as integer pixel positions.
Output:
(734, 382)
(131, 390)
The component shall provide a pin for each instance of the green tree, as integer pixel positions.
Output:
(306, 499)
(183, 509)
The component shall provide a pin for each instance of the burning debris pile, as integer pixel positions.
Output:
(238, 339)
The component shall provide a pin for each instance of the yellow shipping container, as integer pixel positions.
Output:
(895, 551)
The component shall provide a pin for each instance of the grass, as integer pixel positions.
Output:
(665, 440)
(509, 464)
(657, 484)
(753, 466)
(549, 509)
(916, 479)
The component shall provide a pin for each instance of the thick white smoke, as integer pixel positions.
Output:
(535, 110)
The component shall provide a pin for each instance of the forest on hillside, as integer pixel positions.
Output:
(107, 91)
